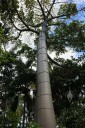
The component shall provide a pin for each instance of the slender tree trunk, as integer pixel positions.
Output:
(23, 122)
(44, 114)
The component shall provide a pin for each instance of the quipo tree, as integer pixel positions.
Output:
(37, 16)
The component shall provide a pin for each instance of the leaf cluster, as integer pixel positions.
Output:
(65, 36)
(73, 117)
(71, 75)
(68, 9)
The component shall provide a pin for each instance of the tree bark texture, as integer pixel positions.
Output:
(44, 111)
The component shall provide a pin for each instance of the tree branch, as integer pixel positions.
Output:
(21, 30)
(62, 15)
(54, 61)
(41, 8)
(29, 29)
(18, 35)
(50, 8)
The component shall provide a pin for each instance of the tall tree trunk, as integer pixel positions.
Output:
(44, 114)
(23, 122)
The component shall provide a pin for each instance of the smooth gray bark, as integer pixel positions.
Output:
(44, 111)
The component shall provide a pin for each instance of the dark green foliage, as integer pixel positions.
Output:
(68, 9)
(14, 104)
(73, 117)
(71, 75)
(10, 121)
(7, 9)
(68, 35)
